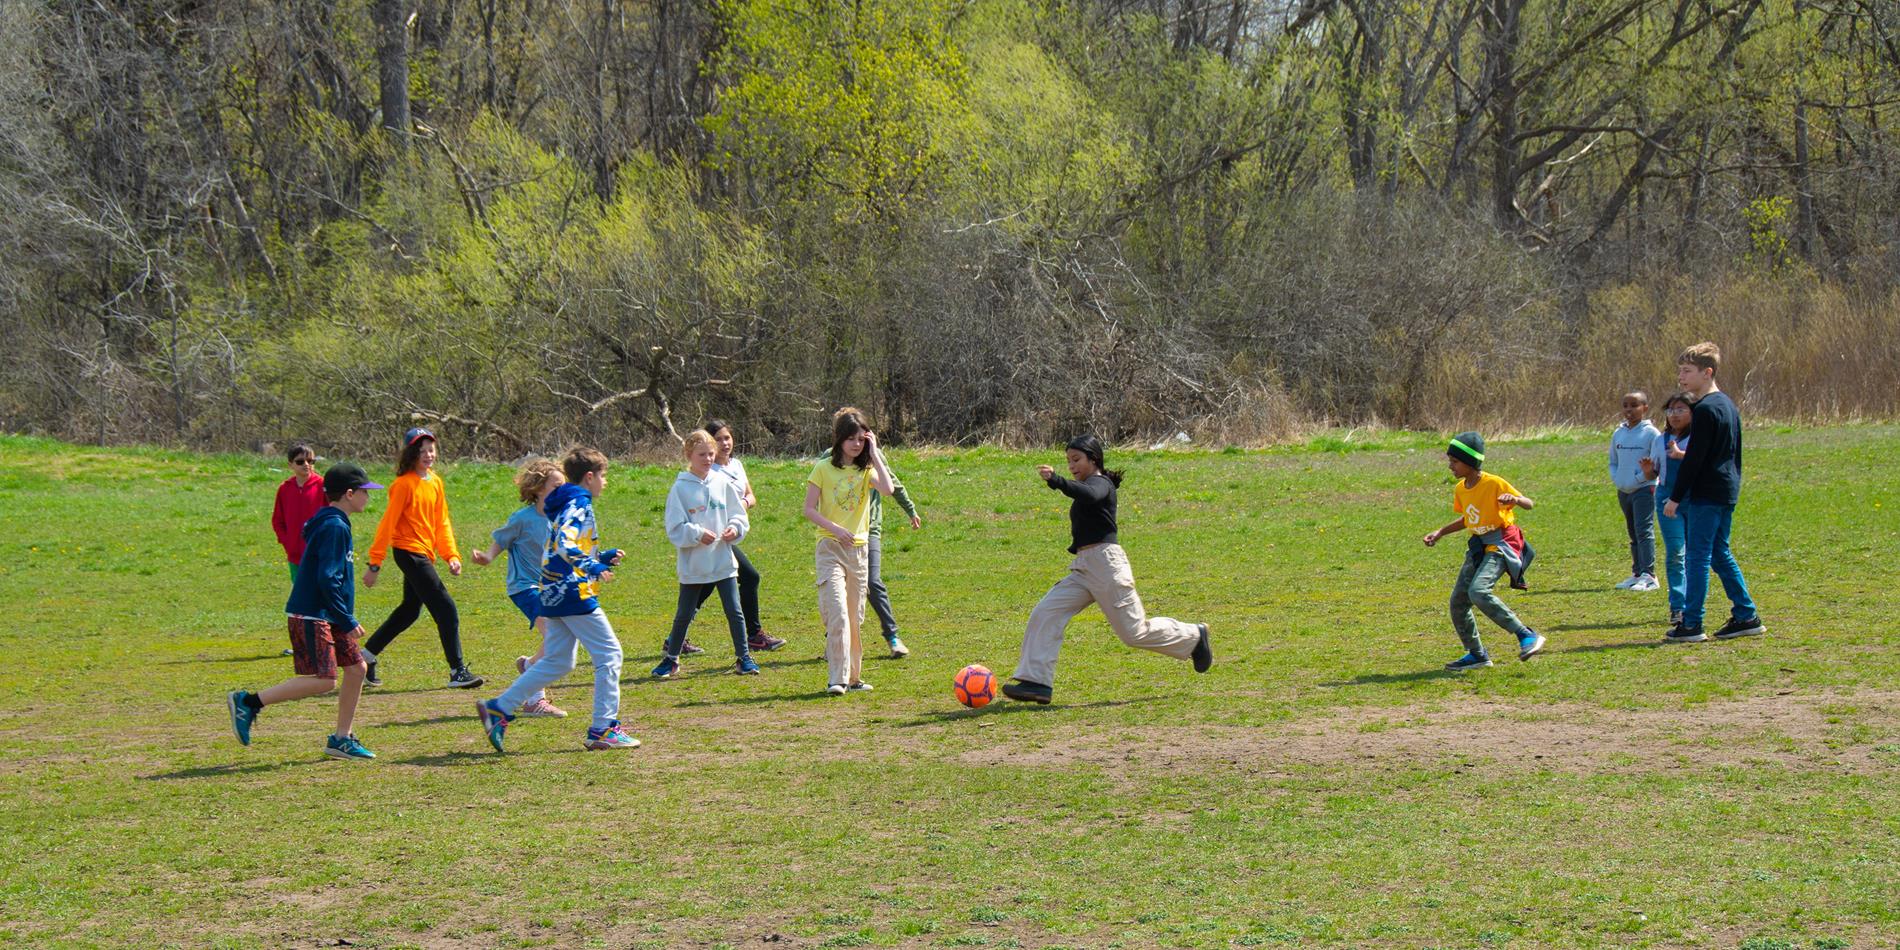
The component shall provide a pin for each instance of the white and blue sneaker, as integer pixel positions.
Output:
(1470, 661)
(1530, 645)
(668, 666)
(346, 747)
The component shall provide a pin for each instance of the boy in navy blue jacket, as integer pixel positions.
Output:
(322, 610)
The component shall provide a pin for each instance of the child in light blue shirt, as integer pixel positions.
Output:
(525, 539)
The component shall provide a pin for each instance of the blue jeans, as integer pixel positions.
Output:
(876, 594)
(1672, 557)
(590, 630)
(1705, 547)
(691, 596)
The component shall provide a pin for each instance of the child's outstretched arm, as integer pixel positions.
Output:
(488, 556)
(1456, 524)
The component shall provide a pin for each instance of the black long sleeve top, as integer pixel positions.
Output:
(1092, 513)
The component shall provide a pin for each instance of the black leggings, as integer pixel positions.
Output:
(748, 593)
(421, 587)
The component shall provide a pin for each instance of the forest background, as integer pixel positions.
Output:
(226, 224)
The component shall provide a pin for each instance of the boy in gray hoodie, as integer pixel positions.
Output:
(1633, 441)
(705, 517)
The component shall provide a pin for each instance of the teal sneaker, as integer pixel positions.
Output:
(1530, 645)
(1470, 661)
(242, 715)
(346, 747)
(494, 722)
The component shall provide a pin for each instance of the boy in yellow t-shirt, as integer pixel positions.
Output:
(1486, 506)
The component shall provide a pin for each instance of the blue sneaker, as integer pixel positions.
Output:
(1530, 645)
(346, 748)
(1470, 661)
(242, 715)
(668, 666)
(494, 722)
(747, 667)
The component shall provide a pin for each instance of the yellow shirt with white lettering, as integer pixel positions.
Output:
(1478, 505)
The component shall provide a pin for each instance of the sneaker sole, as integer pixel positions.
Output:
(760, 646)
(465, 684)
(1038, 700)
(1738, 634)
(557, 714)
(1466, 669)
(345, 756)
(1699, 639)
(593, 746)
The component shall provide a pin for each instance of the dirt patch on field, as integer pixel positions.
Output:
(1797, 732)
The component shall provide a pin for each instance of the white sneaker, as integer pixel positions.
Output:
(1646, 582)
(835, 689)
(898, 649)
(1627, 582)
(861, 687)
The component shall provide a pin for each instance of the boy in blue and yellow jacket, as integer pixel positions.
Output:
(571, 576)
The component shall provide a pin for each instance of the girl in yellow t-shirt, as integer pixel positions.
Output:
(838, 501)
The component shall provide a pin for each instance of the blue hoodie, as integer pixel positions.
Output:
(575, 559)
(325, 586)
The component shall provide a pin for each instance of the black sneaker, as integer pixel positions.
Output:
(1024, 691)
(1751, 627)
(1682, 634)
(1203, 655)
(370, 678)
(463, 679)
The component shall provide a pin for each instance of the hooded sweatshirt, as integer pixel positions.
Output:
(575, 560)
(1629, 445)
(713, 503)
(325, 587)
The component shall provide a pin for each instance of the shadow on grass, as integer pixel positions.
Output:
(1605, 647)
(1377, 679)
(457, 758)
(1624, 625)
(215, 771)
(195, 661)
(1535, 590)
(431, 721)
(797, 697)
(1006, 708)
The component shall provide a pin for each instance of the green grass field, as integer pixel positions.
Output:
(1324, 785)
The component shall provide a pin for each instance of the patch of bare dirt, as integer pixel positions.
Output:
(1796, 732)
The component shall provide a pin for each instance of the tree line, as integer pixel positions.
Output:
(229, 223)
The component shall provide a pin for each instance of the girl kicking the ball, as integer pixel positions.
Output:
(1099, 575)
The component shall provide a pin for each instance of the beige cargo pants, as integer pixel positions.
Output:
(843, 570)
(1099, 575)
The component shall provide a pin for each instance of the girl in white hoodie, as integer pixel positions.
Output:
(705, 518)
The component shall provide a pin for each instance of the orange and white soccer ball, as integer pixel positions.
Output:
(974, 686)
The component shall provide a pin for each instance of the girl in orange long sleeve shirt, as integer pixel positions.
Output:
(415, 531)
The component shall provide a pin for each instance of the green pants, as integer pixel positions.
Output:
(1475, 581)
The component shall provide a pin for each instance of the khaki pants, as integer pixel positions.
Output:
(1099, 575)
(842, 572)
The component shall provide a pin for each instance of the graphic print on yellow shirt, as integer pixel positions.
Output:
(1478, 504)
(844, 498)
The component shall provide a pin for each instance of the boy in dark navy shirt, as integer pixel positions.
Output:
(1705, 493)
(322, 612)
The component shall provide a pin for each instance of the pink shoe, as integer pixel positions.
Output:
(542, 709)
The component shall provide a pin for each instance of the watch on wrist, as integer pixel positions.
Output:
(375, 568)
